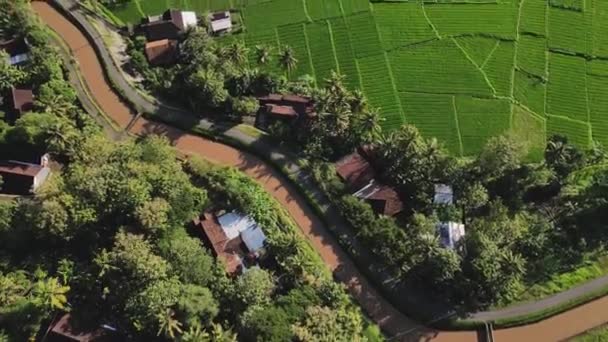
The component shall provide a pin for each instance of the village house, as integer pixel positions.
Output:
(23, 178)
(450, 234)
(161, 52)
(234, 238)
(17, 50)
(444, 194)
(21, 100)
(359, 175)
(290, 109)
(63, 329)
(221, 22)
(169, 25)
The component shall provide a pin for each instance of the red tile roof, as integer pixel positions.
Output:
(23, 99)
(62, 329)
(161, 30)
(388, 201)
(281, 110)
(161, 52)
(300, 105)
(296, 98)
(358, 173)
(227, 250)
(19, 168)
(355, 171)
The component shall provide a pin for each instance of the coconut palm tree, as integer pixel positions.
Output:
(263, 54)
(218, 334)
(168, 325)
(237, 53)
(367, 125)
(56, 104)
(358, 102)
(287, 58)
(50, 294)
(62, 139)
(195, 334)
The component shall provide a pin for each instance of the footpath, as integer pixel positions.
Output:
(89, 58)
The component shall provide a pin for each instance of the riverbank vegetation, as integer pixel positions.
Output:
(526, 222)
(107, 237)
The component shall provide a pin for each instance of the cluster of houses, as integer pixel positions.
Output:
(163, 31)
(358, 174)
(20, 177)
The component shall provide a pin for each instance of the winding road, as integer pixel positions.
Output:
(393, 322)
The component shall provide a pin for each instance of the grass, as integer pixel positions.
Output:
(535, 54)
(567, 280)
(480, 119)
(439, 67)
(529, 129)
(595, 335)
(393, 32)
(498, 68)
(531, 54)
(251, 131)
(435, 116)
(598, 102)
(566, 92)
(321, 50)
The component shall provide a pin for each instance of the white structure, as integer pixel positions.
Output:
(220, 22)
(18, 59)
(188, 19)
(234, 224)
(253, 238)
(450, 233)
(444, 194)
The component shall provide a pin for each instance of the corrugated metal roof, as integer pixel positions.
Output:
(254, 238)
(443, 194)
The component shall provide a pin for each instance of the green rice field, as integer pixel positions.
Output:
(461, 71)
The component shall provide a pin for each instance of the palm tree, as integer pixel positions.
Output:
(195, 334)
(287, 58)
(555, 151)
(358, 102)
(56, 104)
(367, 126)
(218, 334)
(61, 138)
(263, 54)
(237, 53)
(50, 294)
(168, 325)
(335, 84)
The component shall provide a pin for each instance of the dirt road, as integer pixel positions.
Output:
(382, 312)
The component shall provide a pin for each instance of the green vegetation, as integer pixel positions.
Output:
(595, 335)
(532, 229)
(466, 50)
(107, 238)
(514, 50)
(585, 272)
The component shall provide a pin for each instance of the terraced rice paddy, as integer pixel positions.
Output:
(461, 72)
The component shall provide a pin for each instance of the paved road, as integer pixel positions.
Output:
(391, 320)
